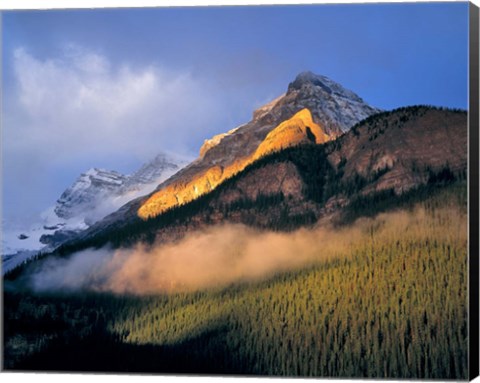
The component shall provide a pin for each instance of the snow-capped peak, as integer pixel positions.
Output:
(98, 192)
(93, 195)
(86, 190)
(155, 169)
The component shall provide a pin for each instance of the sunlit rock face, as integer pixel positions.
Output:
(299, 129)
(296, 130)
(314, 110)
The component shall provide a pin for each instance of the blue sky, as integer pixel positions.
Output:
(111, 88)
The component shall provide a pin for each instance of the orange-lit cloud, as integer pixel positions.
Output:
(218, 256)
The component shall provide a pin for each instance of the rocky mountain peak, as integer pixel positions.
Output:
(304, 78)
(309, 83)
(155, 169)
(85, 189)
(96, 187)
(334, 107)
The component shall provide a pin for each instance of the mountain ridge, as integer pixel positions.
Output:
(300, 128)
(315, 184)
(329, 113)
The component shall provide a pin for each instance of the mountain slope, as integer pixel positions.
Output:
(415, 259)
(402, 148)
(297, 130)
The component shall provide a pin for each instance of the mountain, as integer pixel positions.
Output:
(385, 159)
(382, 158)
(94, 194)
(286, 169)
(87, 190)
(314, 108)
(99, 192)
(184, 249)
(158, 169)
(335, 108)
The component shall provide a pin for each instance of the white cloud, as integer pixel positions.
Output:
(80, 103)
(78, 109)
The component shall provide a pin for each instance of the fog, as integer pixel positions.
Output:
(214, 257)
(221, 255)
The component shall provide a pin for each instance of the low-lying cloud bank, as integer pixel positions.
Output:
(226, 254)
(213, 257)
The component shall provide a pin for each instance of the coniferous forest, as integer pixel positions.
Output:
(392, 304)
